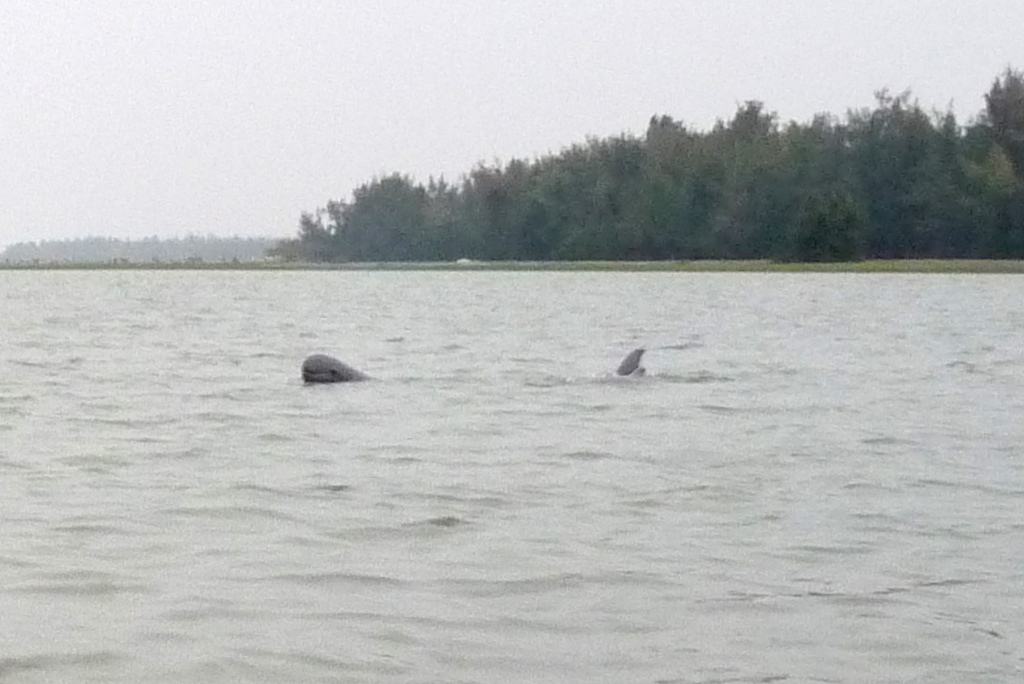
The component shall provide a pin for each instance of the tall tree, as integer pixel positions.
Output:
(1004, 113)
(384, 222)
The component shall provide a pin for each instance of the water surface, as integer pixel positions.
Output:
(819, 480)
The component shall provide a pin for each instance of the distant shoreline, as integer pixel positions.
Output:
(756, 266)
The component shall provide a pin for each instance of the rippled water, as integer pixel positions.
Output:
(819, 480)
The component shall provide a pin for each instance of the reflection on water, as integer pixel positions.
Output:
(819, 479)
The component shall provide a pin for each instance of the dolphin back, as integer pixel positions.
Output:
(631, 363)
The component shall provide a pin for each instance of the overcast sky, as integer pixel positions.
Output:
(129, 118)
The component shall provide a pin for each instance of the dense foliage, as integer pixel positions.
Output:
(890, 182)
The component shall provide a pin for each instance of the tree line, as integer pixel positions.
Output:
(893, 181)
(98, 250)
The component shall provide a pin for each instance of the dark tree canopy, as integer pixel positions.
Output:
(893, 181)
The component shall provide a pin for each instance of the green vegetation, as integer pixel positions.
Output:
(890, 183)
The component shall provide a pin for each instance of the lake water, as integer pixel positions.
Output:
(820, 479)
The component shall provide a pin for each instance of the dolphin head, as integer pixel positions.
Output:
(323, 368)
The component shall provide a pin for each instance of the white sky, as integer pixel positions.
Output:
(129, 118)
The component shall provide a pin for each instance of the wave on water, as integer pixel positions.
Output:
(336, 578)
(49, 662)
(230, 513)
(679, 346)
(723, 410)
(440, 521)
(547, 381)
(25, 363)
(609, 378)
(589, 455)
(497, 504)
(696, 378)
(553, 583)
(101, 588)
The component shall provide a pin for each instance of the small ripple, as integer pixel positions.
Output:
(207, 612)
(623, 380)
(966, 486)
(221, 417)
(468, 498)
(393, 452)
(442, 521)
(989, 632)
(820, 549)
(12, 562)
(89, 529)
(95, 463)
(335, 488)
(951, 582)
(698, 378)
(547, 381)
(229, 512)
(556, 582)
(319, 662)
(276, 437)
(589, 455)
(342, 578)
(31, 364)
(720, 410)
(262, 354)
(519, 587)
(262, 489)
(128, 422)
(740, 679)
(52, 661)
(184, 454)
(876, 486)
(886, 440)
(87, 588)
(681, 346)
(303, 493)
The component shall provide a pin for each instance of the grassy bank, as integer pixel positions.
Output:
(894, 266)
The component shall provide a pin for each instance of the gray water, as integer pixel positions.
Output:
(820, 479)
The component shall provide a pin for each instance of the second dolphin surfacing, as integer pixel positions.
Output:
(631, 364)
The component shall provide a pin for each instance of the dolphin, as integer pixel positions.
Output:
(323, 368)
(631, 364)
